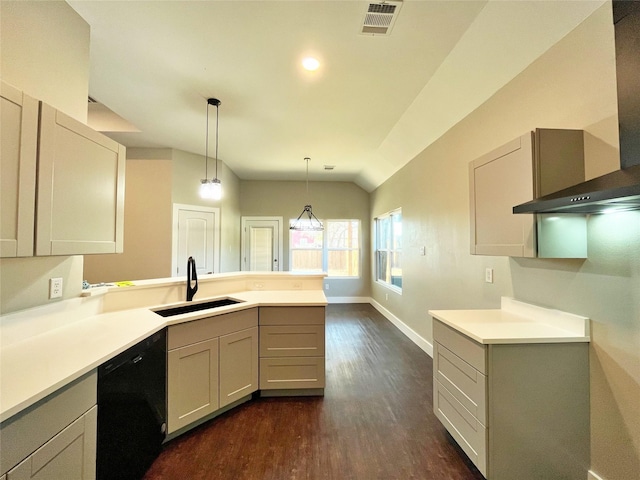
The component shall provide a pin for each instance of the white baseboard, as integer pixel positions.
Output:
(592, 476)
(349, 299)
(404, 328)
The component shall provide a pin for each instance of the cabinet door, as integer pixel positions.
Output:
(238, 365)
(18, 144)
(71, 454)
(498, 181)
(80, 202)
(192, 379)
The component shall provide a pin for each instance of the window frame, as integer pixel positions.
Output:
(325, 250)
(390, 251)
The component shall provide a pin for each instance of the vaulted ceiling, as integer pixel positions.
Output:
(374, 103)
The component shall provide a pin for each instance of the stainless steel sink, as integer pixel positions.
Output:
(195, 307)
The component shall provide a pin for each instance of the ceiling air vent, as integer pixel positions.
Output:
(380, 18)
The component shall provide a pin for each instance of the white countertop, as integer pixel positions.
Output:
(516, 322)
(39, 364)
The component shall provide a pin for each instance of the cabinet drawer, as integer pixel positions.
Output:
(292, 315)
(188, 333)
(463, 381)
(291, 373)
(470, 434)
(471, 352)
(292, 341)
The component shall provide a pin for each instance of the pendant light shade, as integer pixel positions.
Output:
(307, 221)
(211, 189)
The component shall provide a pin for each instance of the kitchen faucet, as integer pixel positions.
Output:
(192, 279)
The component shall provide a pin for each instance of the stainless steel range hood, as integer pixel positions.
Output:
(619, 190)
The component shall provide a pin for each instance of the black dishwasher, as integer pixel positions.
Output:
(132, 409)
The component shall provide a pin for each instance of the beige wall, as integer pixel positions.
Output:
(570, 86)
(334, 200)
(45, 52)
(147, 226)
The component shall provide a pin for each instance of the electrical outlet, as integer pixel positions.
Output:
(488, 275)
(55, 287)
(326, 286)
(386, 296)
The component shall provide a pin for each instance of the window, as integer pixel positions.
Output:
(388, 238)
(336, 250)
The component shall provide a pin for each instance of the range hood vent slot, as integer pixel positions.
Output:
(380, 18)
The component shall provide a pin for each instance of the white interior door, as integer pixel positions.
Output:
(196, 233)
(261, 243)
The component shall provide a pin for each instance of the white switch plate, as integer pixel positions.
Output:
(488, 275)
(55, 287)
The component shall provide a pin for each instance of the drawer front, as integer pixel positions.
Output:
(292, 341)
(292, 315)
(188, 333)
(464, 382)
(470, 434)
(291, 373)
(470, 351)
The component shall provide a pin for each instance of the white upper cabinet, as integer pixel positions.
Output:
(528, 167)
(18, 143)
(62, 182)
(80, 188)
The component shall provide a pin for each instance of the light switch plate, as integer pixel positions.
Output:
(488, 275)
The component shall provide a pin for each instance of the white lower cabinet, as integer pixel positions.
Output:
(212, 362)
(55, 438)
(292, 346)
(238, 365)
(192, 383)
(71, 454)
(517, 410)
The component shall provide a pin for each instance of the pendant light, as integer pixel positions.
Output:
(211, 189)
(307, 220)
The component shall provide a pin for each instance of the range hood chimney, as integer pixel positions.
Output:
(619, 190)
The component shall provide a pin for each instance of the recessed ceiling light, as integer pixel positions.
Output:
(310, 63)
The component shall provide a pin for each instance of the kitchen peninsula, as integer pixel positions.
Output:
(53, 348)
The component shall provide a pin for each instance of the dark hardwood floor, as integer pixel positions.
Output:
(375, 421)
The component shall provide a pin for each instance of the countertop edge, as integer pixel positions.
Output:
(549, 332)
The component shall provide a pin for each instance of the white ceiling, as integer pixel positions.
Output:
(373, 105)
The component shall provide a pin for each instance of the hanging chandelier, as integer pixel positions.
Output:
(307, 221)
(211, 189)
